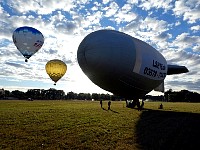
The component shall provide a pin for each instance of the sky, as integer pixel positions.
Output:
(170, 26)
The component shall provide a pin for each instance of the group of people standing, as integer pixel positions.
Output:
(140, 107)
(109, 104)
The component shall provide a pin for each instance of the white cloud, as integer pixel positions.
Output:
(40, 6)
(111, 9)
(94, 18)
(125, 17)
(110, 28)
(196, 28)
(188, 9)
(177, 23)
(131, 27)
(184, 81)
(154, 25)
(180, 8)
(184, 41)
(164, 4)
(94, 8)
(132, 1)
(163, 37)
(192, 16)
(1, 10)
(126, 8)
(105, 1)
(196, 48)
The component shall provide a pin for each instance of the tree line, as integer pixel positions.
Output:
(181, 96)
(176, 96)
(53, 94)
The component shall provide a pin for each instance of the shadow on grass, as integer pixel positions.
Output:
(110, 110)
(114, 111)
(104, 109)
(168, 130)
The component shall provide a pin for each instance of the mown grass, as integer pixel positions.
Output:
(84, 125)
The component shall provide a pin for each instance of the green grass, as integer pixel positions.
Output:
(84, 125)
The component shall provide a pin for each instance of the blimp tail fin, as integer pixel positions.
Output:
(160, 88)
(175, 69)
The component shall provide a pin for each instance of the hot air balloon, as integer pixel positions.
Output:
(28, 41)
(56, 69)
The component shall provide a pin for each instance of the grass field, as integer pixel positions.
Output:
(84, 125)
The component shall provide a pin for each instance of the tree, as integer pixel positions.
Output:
(2, 93)
(18, 94)
(95, 96)
(70, 95)
(33, 94)
(167, 93)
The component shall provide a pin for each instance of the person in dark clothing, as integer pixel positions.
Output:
(142, 105)
(101, 103)
(161, 106)
(138, 106)
(109, 103)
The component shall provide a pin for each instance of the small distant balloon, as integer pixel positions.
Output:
(56, 69)
(28, 41)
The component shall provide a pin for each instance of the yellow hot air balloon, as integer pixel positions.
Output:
(56, 69)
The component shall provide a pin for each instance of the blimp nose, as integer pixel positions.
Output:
(106, 57)
(94, 57)
(102, 54)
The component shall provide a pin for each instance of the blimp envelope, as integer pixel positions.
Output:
(119, 63)
(122, 64)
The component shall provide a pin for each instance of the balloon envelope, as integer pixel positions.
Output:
(28, 40)
(56, 69)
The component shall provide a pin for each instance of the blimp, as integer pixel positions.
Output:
(123, 65)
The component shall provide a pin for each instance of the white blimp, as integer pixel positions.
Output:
(123, 65)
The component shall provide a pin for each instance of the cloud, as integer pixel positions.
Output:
(182, 85)
(51, 51)
(196, 48)
(42, 7)
(105, 1)
(189, 10)
(184, 37)
(123, 16)
(14, 64)
(65, 27)
(195, 28)
(192, 16)
(184, 41)
(177, 23)
(147, 28)
(132, 1)
(150, 4)
(132, 26)
(111, 9)
(152, 24)
(164, 36)
(182, 57)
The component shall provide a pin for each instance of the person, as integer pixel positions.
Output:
(101, 103)
(142, 105)
(161, 106)
(109, 103)
(138, 105)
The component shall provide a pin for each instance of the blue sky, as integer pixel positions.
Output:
(172, 27)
